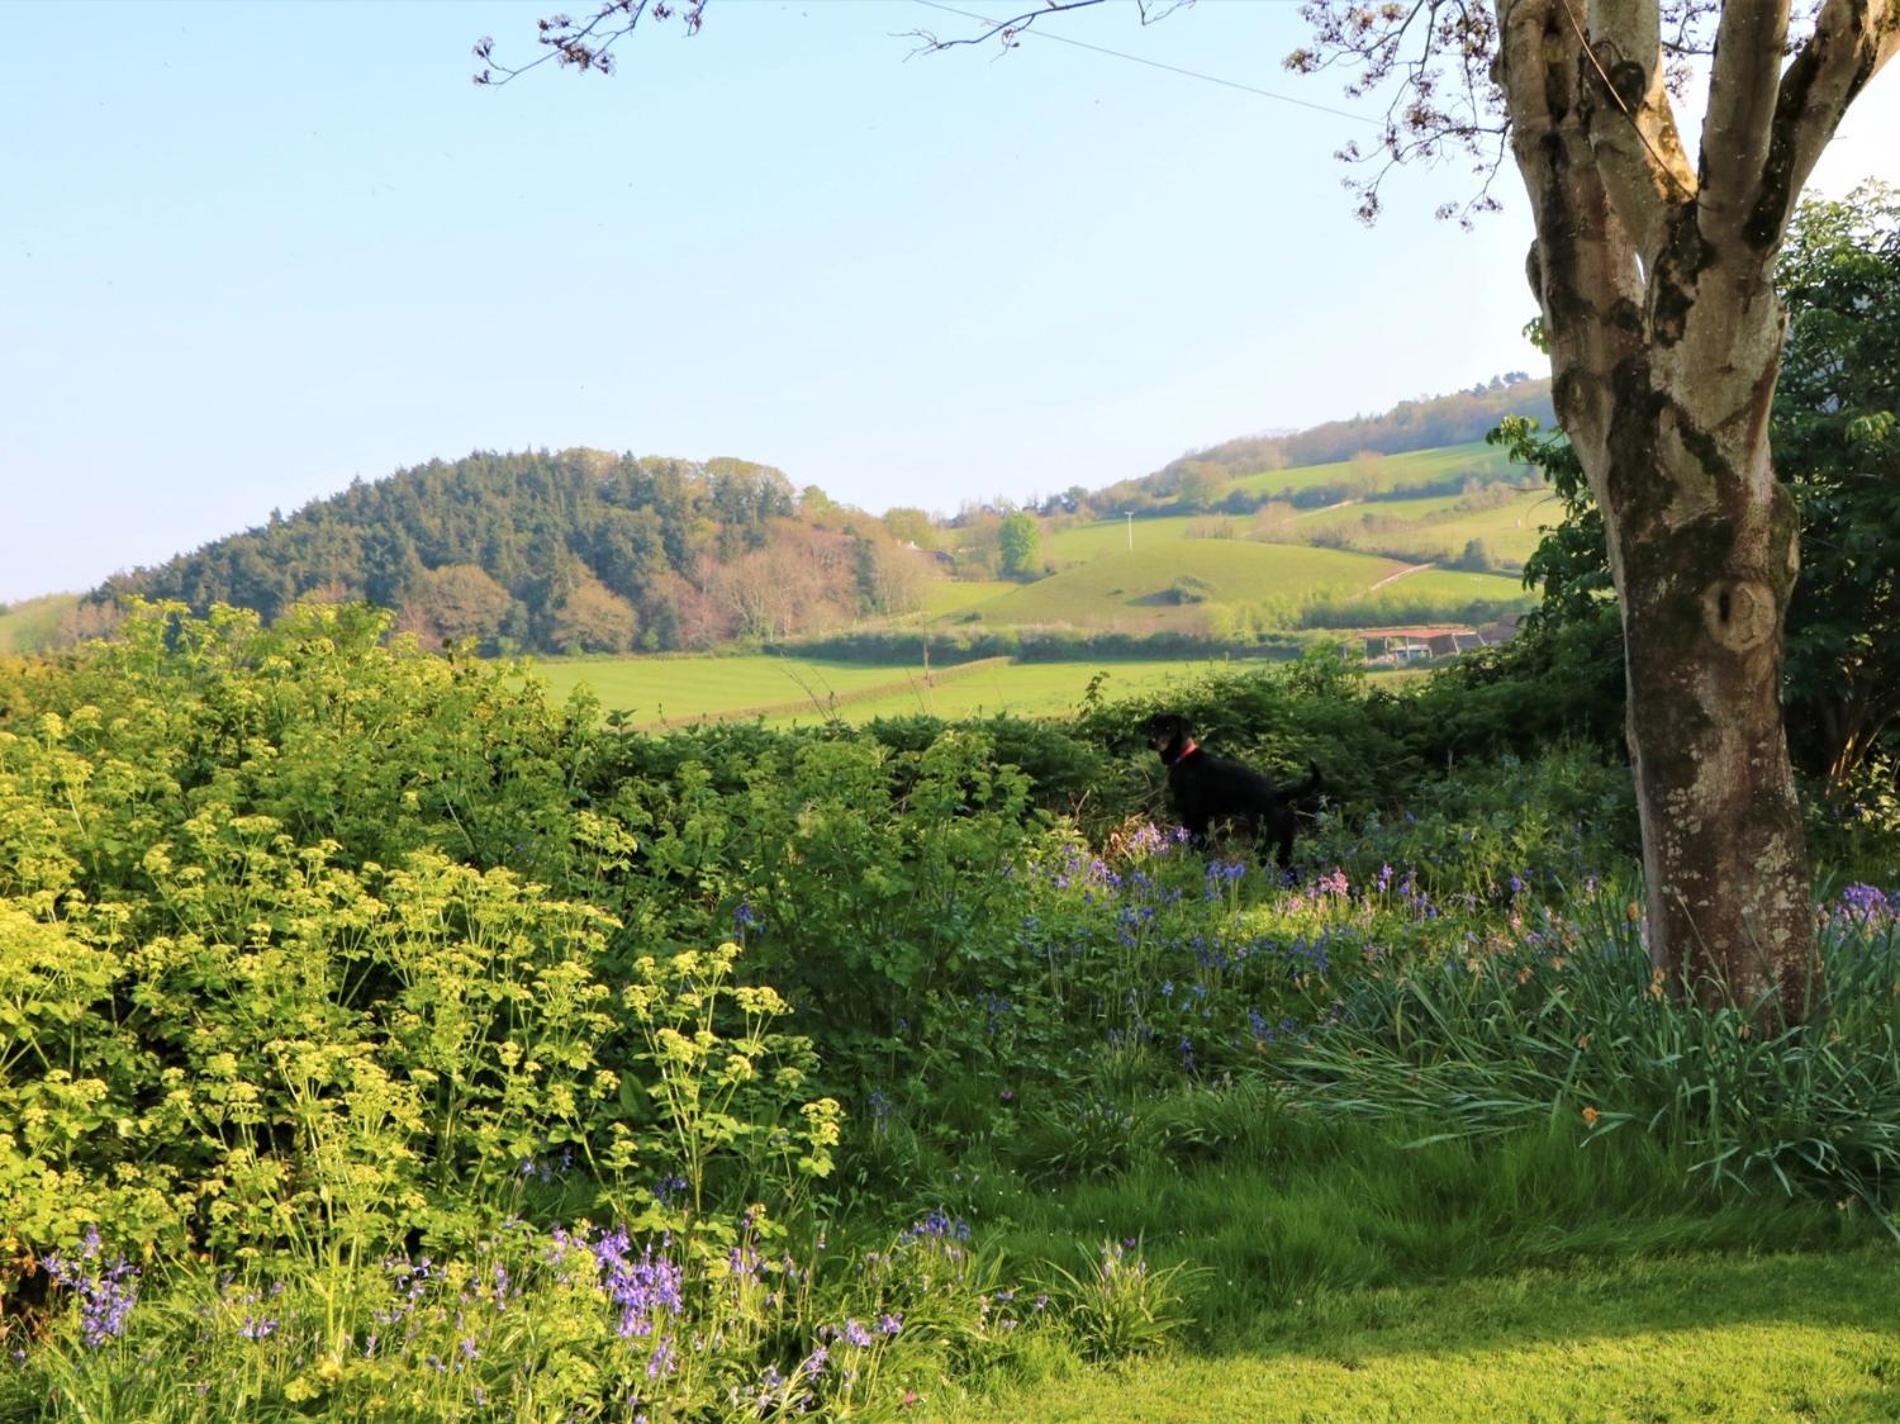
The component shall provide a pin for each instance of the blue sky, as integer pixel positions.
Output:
(251, 252)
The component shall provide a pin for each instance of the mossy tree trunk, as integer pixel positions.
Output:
(1654, 279)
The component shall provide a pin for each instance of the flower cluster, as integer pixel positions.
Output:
(106, 1290)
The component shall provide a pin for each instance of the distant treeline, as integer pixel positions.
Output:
(958, 645)
(573, 552)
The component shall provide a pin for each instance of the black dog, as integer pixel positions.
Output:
(1206, 788)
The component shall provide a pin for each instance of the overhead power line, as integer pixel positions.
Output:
(1155, 64)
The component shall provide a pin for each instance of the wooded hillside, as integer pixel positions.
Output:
(575, 551)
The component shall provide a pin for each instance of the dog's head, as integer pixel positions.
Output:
(1167, 729)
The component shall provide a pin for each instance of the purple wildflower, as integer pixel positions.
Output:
(107, 1292)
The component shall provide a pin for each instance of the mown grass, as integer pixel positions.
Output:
(1337, 1274)
(1781, 1337)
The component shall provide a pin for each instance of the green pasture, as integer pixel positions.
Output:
(1453, 586)
(946, 596)
(1438, 529)
(1129, 592)
(28, 626)
(1024, 689)
(1103, 537)
(680, 689)
(1353, 514)
(683, 689)
(1512, 530)
(1479, 460)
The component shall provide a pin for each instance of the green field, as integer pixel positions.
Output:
(1128, 592)
(946, 596)
(1353, 514)
(29, 625)
(1453, 586)
(680, 689)
(788, 691)
(1482, 461)
(1104, 537)
(1024, 689)
(1438, 530)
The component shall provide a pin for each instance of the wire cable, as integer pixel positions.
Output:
(1155, 64)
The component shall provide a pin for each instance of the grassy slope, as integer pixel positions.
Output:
(1778, 1338)
(1512, 530)
(27, 626)
(1452, 586)
(1103, 537)
(954, 595)
(1124, 590)
(1390, 471)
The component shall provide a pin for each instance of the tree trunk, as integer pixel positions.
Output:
(1654, 276)
(1705, 562)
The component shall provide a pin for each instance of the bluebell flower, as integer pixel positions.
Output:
(106, 1291)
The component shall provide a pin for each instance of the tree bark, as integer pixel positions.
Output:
(1704, 550)
(1654, 276)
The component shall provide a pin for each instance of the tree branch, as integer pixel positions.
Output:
(1851, 42)
(1735, 133)
(589, 44)
(1009, 31)
(1584, 268)
(1632, 128)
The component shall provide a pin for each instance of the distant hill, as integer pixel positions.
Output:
(579, 551)
(585, 551)
(1207, 479)
(35, 623)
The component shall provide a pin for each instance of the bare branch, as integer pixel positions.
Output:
(1445, 102)
(587, 45)
(1009, 32)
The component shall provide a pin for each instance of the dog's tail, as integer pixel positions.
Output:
(1305, 791)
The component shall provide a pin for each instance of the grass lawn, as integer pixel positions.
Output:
(1340, 1276)
(1780, 1337)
